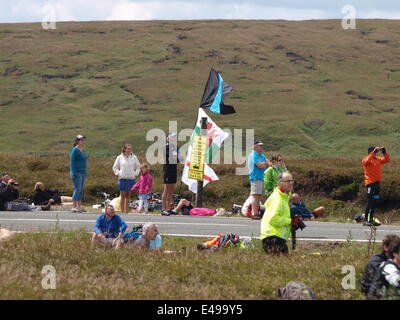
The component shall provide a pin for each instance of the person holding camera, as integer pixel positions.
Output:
(372, 179)
(276, 224)
(8, 190)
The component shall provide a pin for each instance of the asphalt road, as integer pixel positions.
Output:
(186, 225)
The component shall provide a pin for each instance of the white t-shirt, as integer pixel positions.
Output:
(126, 167)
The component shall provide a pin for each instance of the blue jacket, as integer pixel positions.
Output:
(110, 228)
(301, 210)
(78, 161)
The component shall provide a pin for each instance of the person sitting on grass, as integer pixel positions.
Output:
(8, 190)
(371, 271)
(109, 229)
(299, 208)
(390, 272)
(150, 238)
(144, 185)
(45, 197)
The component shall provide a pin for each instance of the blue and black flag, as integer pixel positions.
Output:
(214, 93)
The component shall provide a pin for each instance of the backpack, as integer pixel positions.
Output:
(220, 241)
(18, 206)
(371, 281)
(380, 289)
(136, 233)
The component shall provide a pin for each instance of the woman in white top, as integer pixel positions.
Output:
(127, 168)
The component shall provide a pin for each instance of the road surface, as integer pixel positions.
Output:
(186, 225)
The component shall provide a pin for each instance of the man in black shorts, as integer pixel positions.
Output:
(170, 173)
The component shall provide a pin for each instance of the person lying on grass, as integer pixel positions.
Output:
(184, 205)
(299, 208)
(45, 197)
(109, 229)
(150, 238)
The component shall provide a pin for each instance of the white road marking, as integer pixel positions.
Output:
(383, 230)
(127, 222)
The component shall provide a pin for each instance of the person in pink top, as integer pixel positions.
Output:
(144, 185)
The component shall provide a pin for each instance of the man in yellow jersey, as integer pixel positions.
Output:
(276, 222)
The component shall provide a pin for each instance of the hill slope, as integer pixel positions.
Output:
(308, 88)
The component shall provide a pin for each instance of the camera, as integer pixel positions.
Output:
(15, 183)
(301, 225)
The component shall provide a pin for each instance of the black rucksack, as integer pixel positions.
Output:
(380, 289)
(371, 271)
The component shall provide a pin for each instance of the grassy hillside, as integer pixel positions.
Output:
(308, 88)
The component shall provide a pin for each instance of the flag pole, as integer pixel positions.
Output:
(199, 194)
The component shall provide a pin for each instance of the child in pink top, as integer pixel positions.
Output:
(144, 185)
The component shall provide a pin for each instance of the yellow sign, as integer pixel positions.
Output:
(196, 169)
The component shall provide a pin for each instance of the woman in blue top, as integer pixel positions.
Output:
(78, 171)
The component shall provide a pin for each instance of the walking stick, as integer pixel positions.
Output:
(293, 238)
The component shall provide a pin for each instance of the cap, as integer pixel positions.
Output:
(79, 137)
(258, 143)
(370, 149)
(172, 134)
(4, 174)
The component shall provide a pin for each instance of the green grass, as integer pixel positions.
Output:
(232, 273)
(107, 80)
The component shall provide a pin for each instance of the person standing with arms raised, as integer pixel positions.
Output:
(127, 168)
(78, 172)
(372, 179)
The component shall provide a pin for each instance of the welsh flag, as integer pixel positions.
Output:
(215, 137)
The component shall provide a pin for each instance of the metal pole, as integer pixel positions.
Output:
(293, 238)
(199, 194)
